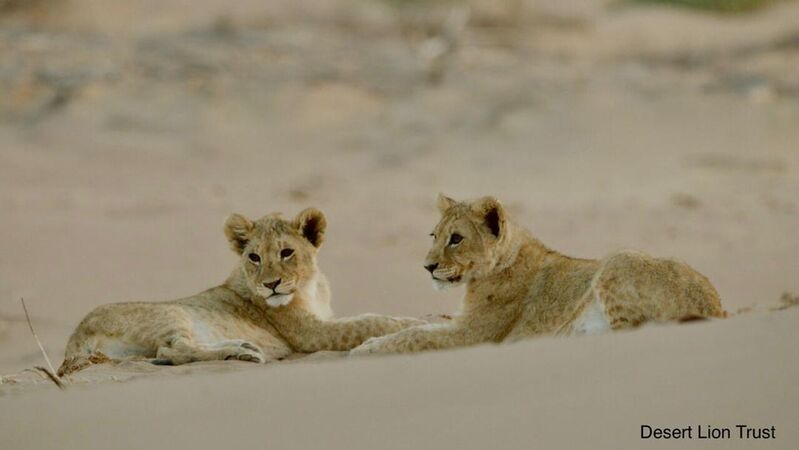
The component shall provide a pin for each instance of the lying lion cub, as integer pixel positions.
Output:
(517, 288)
(275, 302)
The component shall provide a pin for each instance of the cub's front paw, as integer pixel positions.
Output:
(241, 343)
(244, 351)
(370, 347)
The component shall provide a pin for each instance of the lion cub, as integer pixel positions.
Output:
(517, 288)
(275, 301)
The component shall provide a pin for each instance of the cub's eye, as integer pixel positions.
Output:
(286, 253)
(455, 239)
(254, 258)
(433, 235)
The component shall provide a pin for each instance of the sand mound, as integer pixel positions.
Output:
(554, 393)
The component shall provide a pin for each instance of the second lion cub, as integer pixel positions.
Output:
(516, 287)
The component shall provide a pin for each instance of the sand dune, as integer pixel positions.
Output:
(552, 393)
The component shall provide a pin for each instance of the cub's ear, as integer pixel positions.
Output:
(492, 212)
(237, 230)
(444, 203)
(312, 224)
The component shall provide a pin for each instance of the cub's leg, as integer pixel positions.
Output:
(634, 288)
(417, 339)
(182, 349)
(308, 333)
(128, 331)
(116, 332)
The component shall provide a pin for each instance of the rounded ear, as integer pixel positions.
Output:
(237, 230)
(444, 203)
(311, 224)
(492, 212)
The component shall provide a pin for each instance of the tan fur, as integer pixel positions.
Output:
(235, 320)
(517, 288)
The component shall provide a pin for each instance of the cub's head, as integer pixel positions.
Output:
(467, 240)
(278, 256)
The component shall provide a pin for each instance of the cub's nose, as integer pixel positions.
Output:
(272, 285)
(431, 267)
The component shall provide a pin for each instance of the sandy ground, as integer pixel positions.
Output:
(548, 393)
(126, 137)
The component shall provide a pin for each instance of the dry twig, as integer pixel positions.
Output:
(51, 373)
